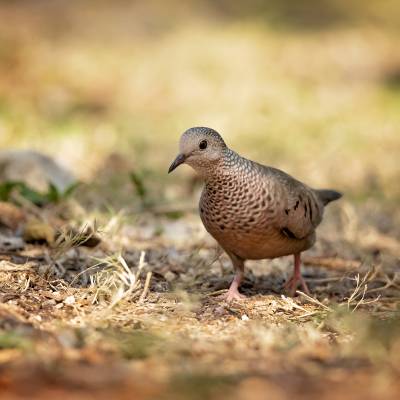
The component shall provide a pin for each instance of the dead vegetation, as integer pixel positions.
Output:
(109, 288)
(96, 320)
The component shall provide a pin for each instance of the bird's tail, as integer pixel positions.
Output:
(327, 195)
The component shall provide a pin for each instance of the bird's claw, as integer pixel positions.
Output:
(292, 284)
(233, 295)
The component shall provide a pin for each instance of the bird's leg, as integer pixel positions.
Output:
(292, 284)
(233, 292)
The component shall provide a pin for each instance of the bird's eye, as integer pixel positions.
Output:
(203, 145)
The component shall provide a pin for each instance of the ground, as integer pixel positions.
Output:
(113, 290)
(93, 332)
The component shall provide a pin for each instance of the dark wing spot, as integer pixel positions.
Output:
(201, 210)
(288, 233)
(286, 211)
(310, 207)
(296, 205)
(222, 227)
(269, 198)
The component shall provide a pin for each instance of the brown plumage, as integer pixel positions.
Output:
(253, 211)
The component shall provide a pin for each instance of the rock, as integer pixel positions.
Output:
(11, 243)
(38, 231)
(69, 300)
(34, 169)
(11, 216)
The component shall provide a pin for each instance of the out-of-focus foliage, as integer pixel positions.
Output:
(53, 194)
(310, 87)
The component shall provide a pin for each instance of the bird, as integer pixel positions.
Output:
(253, 211)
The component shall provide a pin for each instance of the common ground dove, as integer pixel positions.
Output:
(253, 211)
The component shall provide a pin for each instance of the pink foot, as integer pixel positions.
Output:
(293, 283)
(233, 294)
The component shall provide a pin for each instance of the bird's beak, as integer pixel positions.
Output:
(180, 159)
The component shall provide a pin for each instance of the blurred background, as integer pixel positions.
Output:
(107, 88)
(116, 290)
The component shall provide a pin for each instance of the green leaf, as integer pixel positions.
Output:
(6, 189)
(70, 190)
(53, 194)
(32, 195)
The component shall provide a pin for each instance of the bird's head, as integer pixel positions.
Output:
(201, 148)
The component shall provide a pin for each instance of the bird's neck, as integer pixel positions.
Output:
(226, 165)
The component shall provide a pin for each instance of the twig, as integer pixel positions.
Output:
(27, 284)
(292, 303)
(146, 287)
(324, 280)
(314, 301)
(332, 263)
(309, 314)
(217, 292)
(389, 283)
(140, 266)
(361, 289)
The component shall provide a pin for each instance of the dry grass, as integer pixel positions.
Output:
(158, 311)
(138, 315)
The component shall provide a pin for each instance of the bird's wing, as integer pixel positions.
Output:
(298, 209)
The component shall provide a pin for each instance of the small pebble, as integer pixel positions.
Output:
(69, 300)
